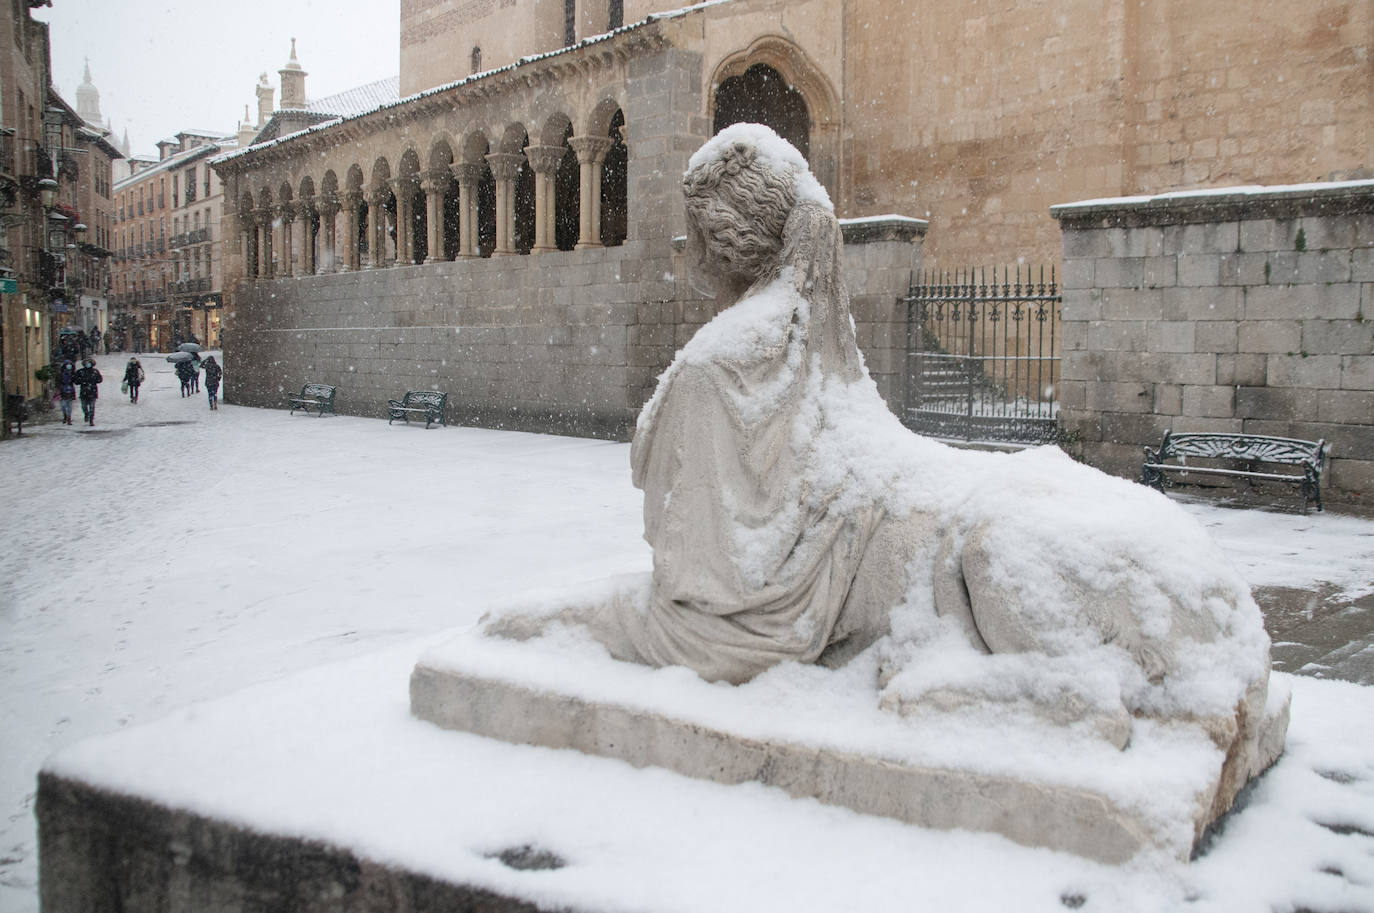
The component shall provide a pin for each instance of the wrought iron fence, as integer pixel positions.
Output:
(982, 355)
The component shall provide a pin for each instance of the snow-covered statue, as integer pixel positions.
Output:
(793, 518)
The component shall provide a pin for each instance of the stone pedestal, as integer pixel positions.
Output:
(834, 745)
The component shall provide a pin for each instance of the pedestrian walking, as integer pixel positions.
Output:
(213, 372)
(195, 372)
(133, 378)
(184, 371)
(88, 380)
(66, 390)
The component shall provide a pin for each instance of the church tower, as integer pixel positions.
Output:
(292, 83)
(88, 100)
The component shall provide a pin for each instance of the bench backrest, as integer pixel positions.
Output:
(1242, 447)
(322, 391)
(424, 398)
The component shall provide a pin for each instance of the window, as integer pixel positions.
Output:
(175, 204)
(191, 186)
(569, 22)
(207, 182)
(617, 15)
(476, 59)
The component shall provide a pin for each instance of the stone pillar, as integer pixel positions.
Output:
(265, 267)
(376, 228)
(544, 163)
(248, 236)
(328, 208)
(352, 258)
(591, 152)
(467, 174)
(505, 166)
(305, 209)
(287, 213)
(404, 188)
(434, 185)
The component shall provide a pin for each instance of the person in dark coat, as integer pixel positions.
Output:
(213, 372)
(133, 377)
(88, 379)
(195, 372)
(66, 389)
(185, 370)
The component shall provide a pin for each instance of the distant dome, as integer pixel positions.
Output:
(88, 100)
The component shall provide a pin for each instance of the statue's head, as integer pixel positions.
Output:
(740, 188)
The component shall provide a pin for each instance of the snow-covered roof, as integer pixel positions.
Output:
(358, 100)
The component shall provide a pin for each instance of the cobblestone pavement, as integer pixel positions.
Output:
(1320, 633)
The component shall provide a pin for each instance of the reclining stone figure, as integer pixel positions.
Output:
(792, 518)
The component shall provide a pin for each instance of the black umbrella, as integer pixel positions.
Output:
(191, 347)
(179, 356)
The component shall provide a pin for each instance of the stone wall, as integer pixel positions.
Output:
(1247, 310)
(568, 342)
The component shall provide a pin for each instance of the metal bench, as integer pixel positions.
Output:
(319, 397)
(1247, 449)
(429, 403)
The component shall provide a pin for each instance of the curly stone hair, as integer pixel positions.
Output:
(737, 208)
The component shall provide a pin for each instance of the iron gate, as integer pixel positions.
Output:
(982, 356)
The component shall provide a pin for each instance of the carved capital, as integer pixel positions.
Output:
(405, 186)
(466, 173)
(505, 166)
(264, 216)
(375, 196)
(305, 207)
(590, 148)
(544, 159)
(351, 198)
(287, 211)
(327, 204)
(435, 181)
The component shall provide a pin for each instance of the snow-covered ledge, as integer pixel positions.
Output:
(1221, 204)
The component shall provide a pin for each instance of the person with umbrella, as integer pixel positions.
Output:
(185, 371)
(133, 378)
(194, 349)
(88, 379)
(213, 372)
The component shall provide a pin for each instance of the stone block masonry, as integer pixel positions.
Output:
(1247, 309)
(566, 342)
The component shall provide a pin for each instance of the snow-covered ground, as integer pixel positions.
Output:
(173, 554)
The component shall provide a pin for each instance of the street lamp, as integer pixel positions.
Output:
(47, 193)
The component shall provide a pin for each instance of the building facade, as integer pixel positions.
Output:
(168, 273)
(529, 182)
(55, 213)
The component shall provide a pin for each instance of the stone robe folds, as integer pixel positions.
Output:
(753, 557)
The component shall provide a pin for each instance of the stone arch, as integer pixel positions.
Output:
(440, 174)
(513, 138)
(796, 73)
(615, 200)
(555, 129)
(306, 188)
(760, 95)
(354, 179)
(599, 120)
(329, 184)
(412, 226)
(441, 152)
(476, 147)
(248, 229)
(568, 194)
(309, 224)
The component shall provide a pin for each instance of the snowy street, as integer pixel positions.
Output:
(172, 554)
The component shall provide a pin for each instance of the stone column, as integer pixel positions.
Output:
(352, 258)
(505, 166)
(434, 185)
(404, 188)
(591, 152)
(248, 236)
(287, 213)
(265, 267)
(467, 174)
(328, 207)
(376, 229)
(305, 208)
(544, 163)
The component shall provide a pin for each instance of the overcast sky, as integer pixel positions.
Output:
(164, 66)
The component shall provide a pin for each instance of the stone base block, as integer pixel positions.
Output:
(1064, 793)
(108, 853)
